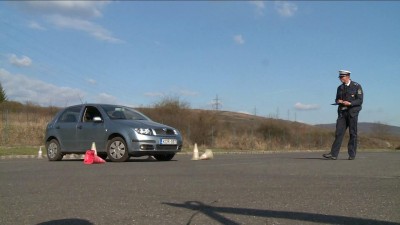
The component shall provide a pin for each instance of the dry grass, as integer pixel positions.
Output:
(24, 125)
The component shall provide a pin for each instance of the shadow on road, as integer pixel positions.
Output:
(66, 222)
(214, 213)
(317, 158)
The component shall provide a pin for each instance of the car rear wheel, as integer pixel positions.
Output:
(54, 150)
(164, 157)
(117, 150)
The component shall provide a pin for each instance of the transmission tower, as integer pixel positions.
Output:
(216, 104)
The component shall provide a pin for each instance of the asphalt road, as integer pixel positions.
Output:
(278, 188)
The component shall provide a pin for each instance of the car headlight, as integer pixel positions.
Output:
(144, 131)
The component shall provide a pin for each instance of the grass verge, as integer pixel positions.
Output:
(4, 151)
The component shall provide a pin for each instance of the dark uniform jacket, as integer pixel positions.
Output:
(352, 93)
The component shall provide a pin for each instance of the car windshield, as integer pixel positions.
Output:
(123, 113)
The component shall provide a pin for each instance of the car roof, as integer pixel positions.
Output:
(97, 104)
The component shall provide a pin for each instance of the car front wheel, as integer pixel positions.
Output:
(117, 150)
(164, 157)
(54, 150)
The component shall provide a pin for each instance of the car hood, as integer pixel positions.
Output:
(142, 124)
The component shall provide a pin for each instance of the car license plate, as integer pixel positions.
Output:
(169, 141)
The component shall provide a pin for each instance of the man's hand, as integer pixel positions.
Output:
(345, 103)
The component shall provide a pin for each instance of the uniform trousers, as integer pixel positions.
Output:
(344, 121)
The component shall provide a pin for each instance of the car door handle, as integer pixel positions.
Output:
(79, 126)
(57, 127)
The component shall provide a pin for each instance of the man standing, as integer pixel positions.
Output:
(349, 98)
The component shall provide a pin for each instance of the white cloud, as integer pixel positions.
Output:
(181, 92)
(76, 15)
(187, 93)
(301, 106)
(154, 94)
(24, 61)
(106, 98)
(24, 89)
(91, 81)
(238, 39)
(260, 7)
(67, 8)
(285, 9)
(35, 25)
(93, 29)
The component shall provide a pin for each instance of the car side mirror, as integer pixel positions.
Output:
(97, 119)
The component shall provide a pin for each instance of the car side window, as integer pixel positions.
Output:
(70, 115)
(90, 113)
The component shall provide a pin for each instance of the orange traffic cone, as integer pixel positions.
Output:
(92, 157)
(98, 159)
(89, 157)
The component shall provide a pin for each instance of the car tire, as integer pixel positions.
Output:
(164, 157)
(117, 150)
(54, 150)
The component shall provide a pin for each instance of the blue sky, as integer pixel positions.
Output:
(274, 59)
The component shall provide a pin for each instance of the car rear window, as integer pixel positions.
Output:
(70, 115)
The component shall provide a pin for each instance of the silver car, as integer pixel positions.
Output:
(119, 132)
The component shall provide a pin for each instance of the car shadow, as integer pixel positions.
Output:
(70, 160)
(146, 160)
(66, 221)
(215, 213)
(129, 160)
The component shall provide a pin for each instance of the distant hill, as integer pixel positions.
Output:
(363, 127)
(369, 128)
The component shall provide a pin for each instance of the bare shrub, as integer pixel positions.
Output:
(203, 127)
(273, 130)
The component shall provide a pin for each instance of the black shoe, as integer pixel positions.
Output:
(329, 156)
(351, 157)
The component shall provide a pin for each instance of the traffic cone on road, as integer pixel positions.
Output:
(195, 152)
(89, 157)
(97, 159)
(94, 148)
(207, 155)
(40, 153)
(92, 157)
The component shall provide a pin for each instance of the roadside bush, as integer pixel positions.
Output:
(202, 128)
(274, 130)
